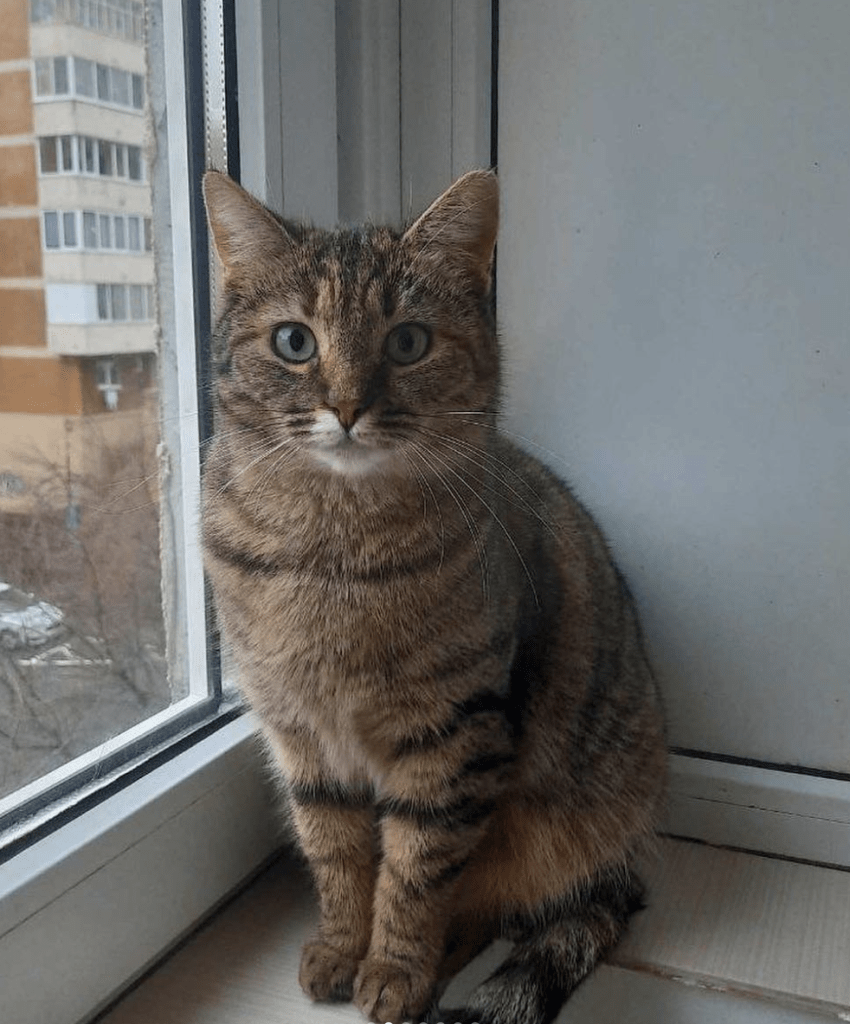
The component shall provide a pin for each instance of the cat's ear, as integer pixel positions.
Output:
(461, 225)
(243, 230)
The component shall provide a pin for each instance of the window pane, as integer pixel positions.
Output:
(80, 529)
(134, 163)
(104, 155)
(89, 230)
(120, 160)
(138, 92)
(69, 230)
(118, 298)
(47, 152)
(103, 82)
(134, 242)
(51, 229)
(137, 302)
(43, 80)
(84, 81)
(89, 155)
(103, 301)
(120, 87)
(60, 75)
(67, 153)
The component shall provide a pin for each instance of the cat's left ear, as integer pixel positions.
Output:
(243, 230)
(461, 226)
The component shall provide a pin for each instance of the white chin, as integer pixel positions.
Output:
(353, 459)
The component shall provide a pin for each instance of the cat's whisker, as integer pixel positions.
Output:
(424, 483)
(461, 447)
(473, 528)
(500, 428)
(252, 463)
(496, 518)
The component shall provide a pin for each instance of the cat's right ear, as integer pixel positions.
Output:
(243, 230)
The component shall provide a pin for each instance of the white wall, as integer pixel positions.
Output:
(674, 290)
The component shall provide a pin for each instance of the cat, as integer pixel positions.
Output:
(446, 662)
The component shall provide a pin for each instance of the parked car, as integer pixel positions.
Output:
(25, 621)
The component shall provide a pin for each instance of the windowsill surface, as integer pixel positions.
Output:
(730, 926)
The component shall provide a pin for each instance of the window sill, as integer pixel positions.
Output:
(88, 908)
(726, 936)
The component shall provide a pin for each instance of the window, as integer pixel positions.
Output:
(124, 19)
(69, 230)
(51, 230)
(84, 77)
(119, 302)
(73, 154)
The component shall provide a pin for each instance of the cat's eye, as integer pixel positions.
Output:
(407, 343)
(294, 342)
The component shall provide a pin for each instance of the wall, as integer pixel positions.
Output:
(673, 292)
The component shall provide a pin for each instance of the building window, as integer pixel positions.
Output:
(117, 303)
(116, 232)
(124, 19)
(60, 77)
(108, 382)
(80, 154)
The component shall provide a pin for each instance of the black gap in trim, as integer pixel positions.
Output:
(751, 762)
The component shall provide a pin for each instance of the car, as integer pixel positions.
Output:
(25, 621)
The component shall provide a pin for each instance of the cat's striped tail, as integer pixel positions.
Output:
(555, 951)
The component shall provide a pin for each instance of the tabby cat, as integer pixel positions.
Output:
(446, 663)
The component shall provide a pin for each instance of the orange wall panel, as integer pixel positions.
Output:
(20, 247)
(45, 386)
(18, 183)
(23, 317)
(16, 108)
(14, 37)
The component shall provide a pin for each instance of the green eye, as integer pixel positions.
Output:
(407, 343)
(294, 343)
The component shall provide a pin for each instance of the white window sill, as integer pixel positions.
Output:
(727, 937)
(90, 907)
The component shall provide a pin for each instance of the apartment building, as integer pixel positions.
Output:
(77, 327)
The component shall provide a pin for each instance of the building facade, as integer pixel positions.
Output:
(77, 316)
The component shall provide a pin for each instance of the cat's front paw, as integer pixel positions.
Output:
(326, 974)
(387, 992)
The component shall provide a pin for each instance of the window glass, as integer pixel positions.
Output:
(105, 231)
(43, 79)
(51, 229)
(120, 160)
(138, 92)
(120, 87)
(84, 81)
(89, 230)
(103, 302)
(104, 157)
(134, 163)
(60, 75)
(103, 82)
(134, 242)
(89, 155)
(69, 230)
(48, 154)
(137, 302)
(118, 301)
(118, 233)
(67, 149)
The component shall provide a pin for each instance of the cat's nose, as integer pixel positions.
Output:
(348, 411)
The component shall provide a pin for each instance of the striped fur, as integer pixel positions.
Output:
(446, 662)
